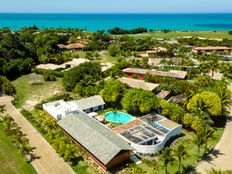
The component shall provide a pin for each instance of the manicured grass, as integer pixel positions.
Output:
(173, 34)
(191, 149)
(10, 160)
(34, 93)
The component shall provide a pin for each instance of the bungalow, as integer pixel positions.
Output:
(172, 73)
(107, 149)
(201, 50)
(90, 104)
(140, 73)
(140, 84)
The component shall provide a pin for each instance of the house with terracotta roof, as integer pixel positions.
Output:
(140, 84)
(140, 73)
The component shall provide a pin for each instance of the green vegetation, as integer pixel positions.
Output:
(118, 30)
(11, 161)
(6, 86)
(139, 101)
(113, 92)
(59, 141)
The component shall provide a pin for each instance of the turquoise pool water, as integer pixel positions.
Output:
(118, 117)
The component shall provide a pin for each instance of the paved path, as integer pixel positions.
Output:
(48, 161)
(223, 159)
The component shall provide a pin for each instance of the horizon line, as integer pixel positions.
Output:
(116, 13)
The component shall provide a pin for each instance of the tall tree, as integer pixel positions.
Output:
(166, 157)
(180, 153)
(199, 141)
(207, 134)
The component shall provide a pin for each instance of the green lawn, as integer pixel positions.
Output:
(104, 56)
(173, 34)
(27, 93)
(10, 160)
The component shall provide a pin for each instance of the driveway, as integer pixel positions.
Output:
(222, 159)
(47, 161)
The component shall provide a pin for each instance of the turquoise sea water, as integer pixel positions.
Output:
(94, 22)
(118, 117)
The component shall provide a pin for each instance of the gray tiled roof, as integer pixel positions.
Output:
(89, 102)
(96, 138)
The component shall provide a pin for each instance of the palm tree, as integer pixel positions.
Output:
(225, 97)
(180, 154)
(213, 64)
(166, 157)
(207, 134)
(199, 141)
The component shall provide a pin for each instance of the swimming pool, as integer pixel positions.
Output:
(118, 117)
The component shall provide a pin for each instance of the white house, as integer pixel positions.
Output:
(148, 134)
(90, 104)
(58, 109)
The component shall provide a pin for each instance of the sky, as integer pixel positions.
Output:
(115, 6)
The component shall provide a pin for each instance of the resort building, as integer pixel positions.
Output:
(105, 147)
(58, 109)
(201, 50)
(148, 134)
(135, 72)
(67, 65)
(140, 84)
(140, 73)
(172, 73)
(90, 104)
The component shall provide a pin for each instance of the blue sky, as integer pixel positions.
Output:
(115, 6)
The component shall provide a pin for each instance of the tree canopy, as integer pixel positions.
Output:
(139, 101)
(75, 75)
(113, 92)
(206, 102)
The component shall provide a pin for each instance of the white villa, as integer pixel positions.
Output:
(59, 109)
(148, 134)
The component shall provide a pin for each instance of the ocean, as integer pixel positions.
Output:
(94, 22)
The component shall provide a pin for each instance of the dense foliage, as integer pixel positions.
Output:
(84, 74)
(139, 101)
(6, 86)
(118, 30)
(113, 92)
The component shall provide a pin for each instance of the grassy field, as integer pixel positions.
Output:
(29, 94)
(191, 149)
(10, 160)
(174, 34)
